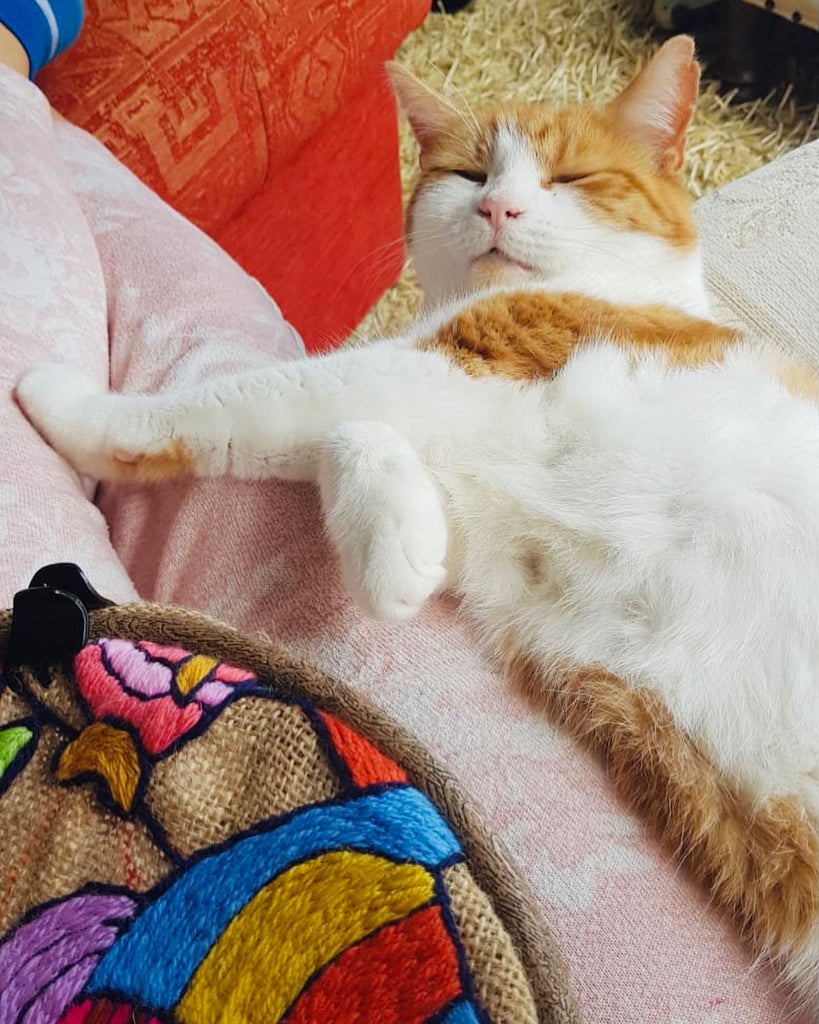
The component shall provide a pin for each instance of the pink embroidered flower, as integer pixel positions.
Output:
(161, 691)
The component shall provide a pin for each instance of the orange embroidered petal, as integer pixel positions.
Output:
(107, 752)
(368, 766)
(403, 974)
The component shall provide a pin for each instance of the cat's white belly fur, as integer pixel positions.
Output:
(664, 526)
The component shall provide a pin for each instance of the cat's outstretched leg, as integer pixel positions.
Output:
(385, 516)
(127, 437)
(256, 425)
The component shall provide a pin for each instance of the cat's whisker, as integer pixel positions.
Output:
(377, 258)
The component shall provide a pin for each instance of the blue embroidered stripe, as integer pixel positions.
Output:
(154, 961)
(461, 1013)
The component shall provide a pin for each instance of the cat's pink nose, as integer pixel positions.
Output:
(496, 211)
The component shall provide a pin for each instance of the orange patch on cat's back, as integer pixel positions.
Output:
(526, 335)
(760, 860)
(801, 381)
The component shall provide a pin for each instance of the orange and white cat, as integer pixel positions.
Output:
(625, 494)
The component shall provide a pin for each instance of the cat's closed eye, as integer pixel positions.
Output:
(477, 176)
(567, 179)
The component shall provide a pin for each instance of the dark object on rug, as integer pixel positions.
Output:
(197, 825)
(449, 6)
(749, 45)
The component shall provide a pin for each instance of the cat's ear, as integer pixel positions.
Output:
(427, 112)
(656, 107)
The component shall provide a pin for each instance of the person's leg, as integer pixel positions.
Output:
(41, 29)
(52, 306)
(12, 52)
(181, 312)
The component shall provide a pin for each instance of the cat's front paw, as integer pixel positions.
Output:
(397, 561)
(60, 401)
(385, 517)
(401, 564)
(51, 394)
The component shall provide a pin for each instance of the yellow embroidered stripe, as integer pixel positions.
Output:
(193, 672)
(293, 926)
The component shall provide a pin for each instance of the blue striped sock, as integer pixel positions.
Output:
(44, 27)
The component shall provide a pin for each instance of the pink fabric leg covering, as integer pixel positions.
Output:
(52, 307)
(181, 311)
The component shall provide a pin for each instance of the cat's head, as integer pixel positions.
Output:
(512, 192)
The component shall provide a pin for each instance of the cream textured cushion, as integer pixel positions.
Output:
(761, 241)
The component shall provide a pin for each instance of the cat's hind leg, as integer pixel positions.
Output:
(385, 516)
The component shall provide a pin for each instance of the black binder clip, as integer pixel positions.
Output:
(49, 622)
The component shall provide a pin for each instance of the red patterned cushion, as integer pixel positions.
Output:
(206, 99)
(324, 237)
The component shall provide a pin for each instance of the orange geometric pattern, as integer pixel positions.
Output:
(203, 90)
(328, 251)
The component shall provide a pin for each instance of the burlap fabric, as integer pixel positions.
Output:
(77, 807)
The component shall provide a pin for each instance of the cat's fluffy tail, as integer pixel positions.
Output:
(759, 858)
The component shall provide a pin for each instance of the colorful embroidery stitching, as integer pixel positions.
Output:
(18, 741)
(369, 983)
(148, 699)
(366, 764)
(108, 752)
(335, 911)
(161, 692)
(46, 961)
(13, 739)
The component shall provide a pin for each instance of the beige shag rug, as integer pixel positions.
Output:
(564, 51)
